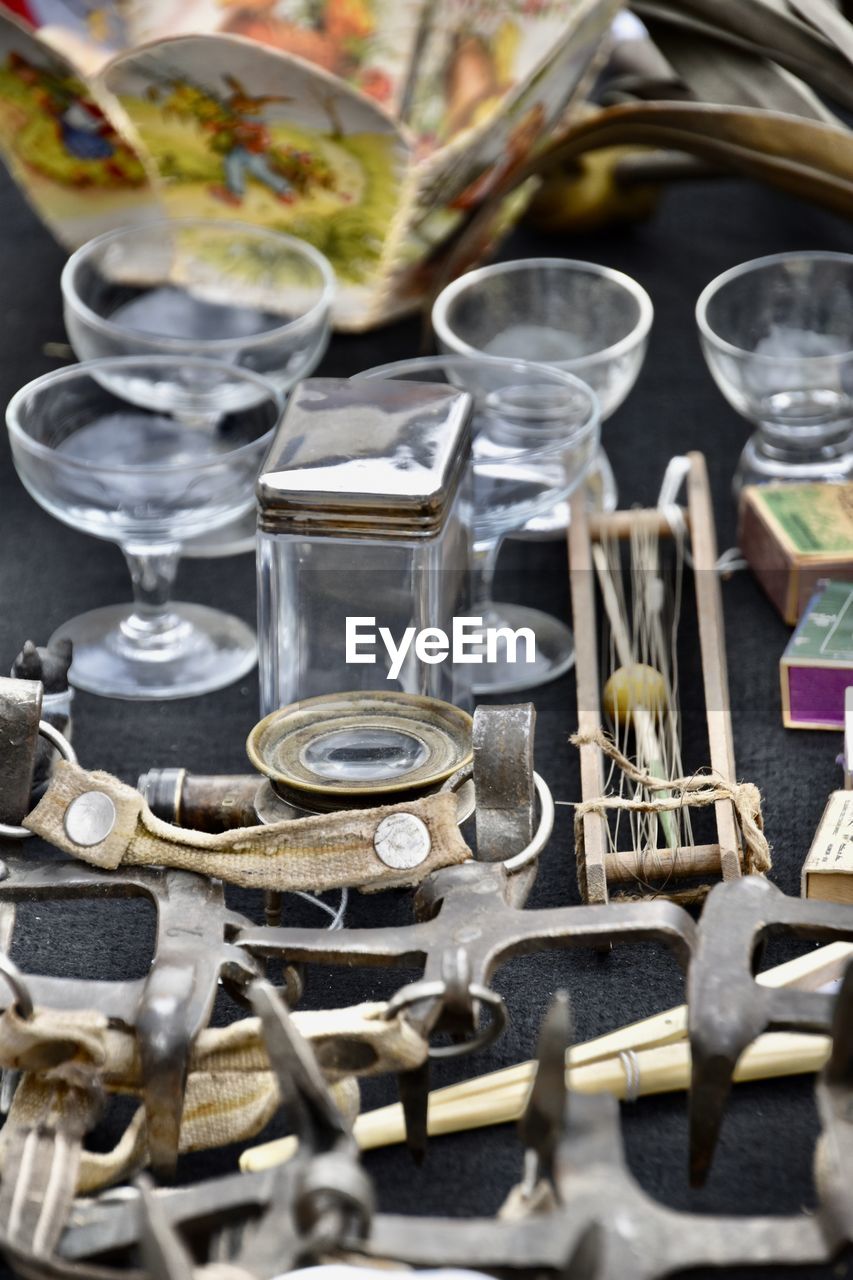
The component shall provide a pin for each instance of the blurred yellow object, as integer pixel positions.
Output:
(505, 45)
(590, 195)
(631, 687)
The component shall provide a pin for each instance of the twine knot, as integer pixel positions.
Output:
(695, 792)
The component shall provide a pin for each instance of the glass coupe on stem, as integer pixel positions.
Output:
(577, 316)
(196, 287)
(777, 335)
(147, 452)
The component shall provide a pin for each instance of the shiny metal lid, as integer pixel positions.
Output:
(374, 459)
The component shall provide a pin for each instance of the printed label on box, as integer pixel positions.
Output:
(815, 518)
(833, 845)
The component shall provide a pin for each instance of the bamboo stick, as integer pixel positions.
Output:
(622, 524)
(664, 1069)
(625, 866)
(649, 753)
(595, 830)
(596, 1066)
(712, 644)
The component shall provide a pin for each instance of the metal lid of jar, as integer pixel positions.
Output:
(362, 747)
(378, 459)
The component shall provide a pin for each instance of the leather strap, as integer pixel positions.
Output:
(328, 851)
(231, 1092)
(43, 1143)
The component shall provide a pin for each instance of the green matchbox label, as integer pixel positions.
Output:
(825, 632)
(817, 518)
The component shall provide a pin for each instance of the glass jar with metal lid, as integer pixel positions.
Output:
(363, 542)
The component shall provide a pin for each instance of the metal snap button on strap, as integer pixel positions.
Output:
(402, 841)
(90, 818)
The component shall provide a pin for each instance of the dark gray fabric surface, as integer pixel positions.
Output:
(49, 572)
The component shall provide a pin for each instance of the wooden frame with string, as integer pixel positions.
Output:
(603, 867)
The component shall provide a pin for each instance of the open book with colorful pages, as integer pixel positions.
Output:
(374, 130)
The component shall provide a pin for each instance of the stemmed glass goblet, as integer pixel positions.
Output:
(578, 316)
(535, 437)
(147, 452)
(777, 335)
(221, 290)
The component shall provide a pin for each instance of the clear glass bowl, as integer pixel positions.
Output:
(536, 434)
(777, 335)
(586, 319)
(227, 291)
(147, 452)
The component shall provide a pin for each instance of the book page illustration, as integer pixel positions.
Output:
(231, 129)
(367, 43)
(65, 153)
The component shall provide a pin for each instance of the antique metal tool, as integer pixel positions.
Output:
(327, 754)
(455, 981)
(49, 666)
(468, 921)
(352, 750)
(349, 750)
(354, 799)
(264, 1224)
(22, 730)
(345, 848)
(577, 1213)
(90, 815)
(203, 802)
(172, 1003)
(728, 1009)
(341, 751)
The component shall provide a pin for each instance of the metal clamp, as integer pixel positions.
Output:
(542, 834)
(168, 1006)
(46, 730)
(414, 992)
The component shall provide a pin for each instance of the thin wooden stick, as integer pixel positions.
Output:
(595, 830)
(712, 643)
(626, 866)
(501, 1094)
(622, 524)
(618, 625)
(648, 748)
(665, 1069)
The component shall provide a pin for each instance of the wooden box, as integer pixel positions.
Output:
(828, 869)
(816, 668)
(794, 535)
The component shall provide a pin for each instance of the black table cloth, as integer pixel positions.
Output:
(49, 573)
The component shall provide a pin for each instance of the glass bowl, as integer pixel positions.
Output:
(589, 320)
(220, 290)
(777, 335)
